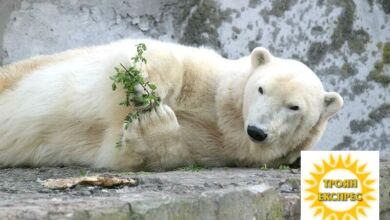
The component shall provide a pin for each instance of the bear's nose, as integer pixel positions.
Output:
(256, 133)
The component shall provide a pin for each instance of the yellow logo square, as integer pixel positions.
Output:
(340, 185)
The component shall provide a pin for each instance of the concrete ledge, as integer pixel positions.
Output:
(224, 193)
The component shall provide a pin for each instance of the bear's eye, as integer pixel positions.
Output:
(294, 107)
(261, 90)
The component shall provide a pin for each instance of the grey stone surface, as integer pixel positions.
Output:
(342, 40)
(224, 193)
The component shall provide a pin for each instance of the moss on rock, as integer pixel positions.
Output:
(253, 3)
(380, 113)
(371, 2)
(359, 87)
(236, 30)
(348, 70)
(344, 26)
(386, 6)
(185, 9)
(316, 52)
(203, 24)
(375, 116)
(280, 6)
(252, 45)
(379, 45)
(345, 144)
(379, 77)
(358, 126)
(386, 53)
(377, 74)
(276, 211)
(358, 41)
(317, 30)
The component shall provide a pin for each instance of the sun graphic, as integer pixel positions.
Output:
(340, 210)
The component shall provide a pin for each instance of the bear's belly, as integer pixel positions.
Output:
(202, 138)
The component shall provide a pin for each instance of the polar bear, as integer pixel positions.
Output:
(61, 110)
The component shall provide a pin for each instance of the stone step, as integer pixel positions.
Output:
(222, 193)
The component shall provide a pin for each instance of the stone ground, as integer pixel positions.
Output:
(223, 193)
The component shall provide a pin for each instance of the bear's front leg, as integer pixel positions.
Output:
(156, 137)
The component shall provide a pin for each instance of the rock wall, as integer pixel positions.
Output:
(346, 42)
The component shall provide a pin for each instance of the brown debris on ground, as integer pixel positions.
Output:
(102, 181)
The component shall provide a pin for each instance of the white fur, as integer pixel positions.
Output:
(64, 112)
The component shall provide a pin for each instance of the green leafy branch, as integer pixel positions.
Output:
(140, 93)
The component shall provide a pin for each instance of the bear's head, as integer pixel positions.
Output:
(284, 105)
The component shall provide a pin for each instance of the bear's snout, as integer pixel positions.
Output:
(256, 133)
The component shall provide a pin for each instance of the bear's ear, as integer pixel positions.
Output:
(260, 56)
(332, 103)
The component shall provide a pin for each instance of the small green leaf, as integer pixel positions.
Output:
(83, 172)
(152, 86)
(264, 167)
